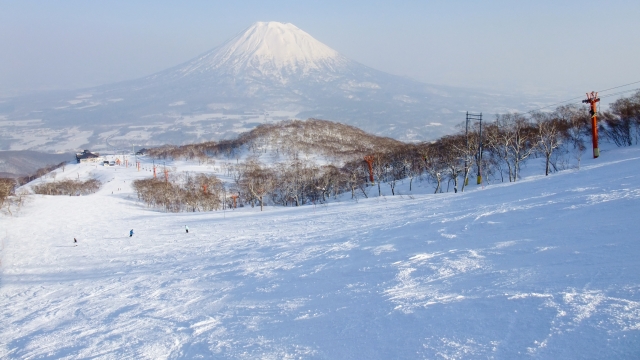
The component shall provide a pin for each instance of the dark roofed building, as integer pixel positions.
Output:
(87, 156)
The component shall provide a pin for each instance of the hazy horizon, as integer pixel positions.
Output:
(541, 47)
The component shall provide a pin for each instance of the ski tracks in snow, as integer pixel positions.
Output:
(539, 268)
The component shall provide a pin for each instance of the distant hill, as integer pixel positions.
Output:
(313, 138)
(22, 163)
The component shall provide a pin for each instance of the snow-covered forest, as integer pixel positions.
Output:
(295, 163)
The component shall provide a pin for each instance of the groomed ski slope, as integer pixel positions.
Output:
(547, 268)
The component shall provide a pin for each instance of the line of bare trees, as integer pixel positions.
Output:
(293, 183)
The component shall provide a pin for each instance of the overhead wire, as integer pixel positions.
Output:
(580, 97)
(620, 92)
(635, 82)
(561, 102)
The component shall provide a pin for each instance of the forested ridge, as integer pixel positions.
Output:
(313, 161)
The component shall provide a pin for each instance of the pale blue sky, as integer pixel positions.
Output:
(541, 46)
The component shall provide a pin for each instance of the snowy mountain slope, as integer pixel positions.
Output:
(270, 71)
(543, 268)
(269, 49)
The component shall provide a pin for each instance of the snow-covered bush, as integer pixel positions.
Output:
(182, 192)
(68, 187)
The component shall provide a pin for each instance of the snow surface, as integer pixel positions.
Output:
(544, 268)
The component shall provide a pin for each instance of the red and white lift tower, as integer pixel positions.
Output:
(592, 99)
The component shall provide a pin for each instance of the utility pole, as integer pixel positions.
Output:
(592, 99)
(479, 161)
(466, 146)
(474, 117)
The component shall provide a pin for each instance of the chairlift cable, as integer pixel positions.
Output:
(619, 92)
(635, 82)
(580, 97)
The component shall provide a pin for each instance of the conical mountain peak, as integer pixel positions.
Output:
(270, 49)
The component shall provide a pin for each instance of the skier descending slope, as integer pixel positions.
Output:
(186, 228)
(131, 233)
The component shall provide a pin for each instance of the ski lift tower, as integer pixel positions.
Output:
(592, 99)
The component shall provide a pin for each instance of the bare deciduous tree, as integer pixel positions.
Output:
(550, 132)
(258, 181)
(433, 164)
(512, 138)
(452, 155)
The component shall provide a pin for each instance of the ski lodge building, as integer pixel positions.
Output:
(88, 157)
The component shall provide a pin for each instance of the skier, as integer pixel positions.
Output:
(131, 233)
(75, 242)
(186, 228)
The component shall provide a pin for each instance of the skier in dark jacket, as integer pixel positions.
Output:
(75, 242)
(131, 233)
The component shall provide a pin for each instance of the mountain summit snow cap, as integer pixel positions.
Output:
(271, 49)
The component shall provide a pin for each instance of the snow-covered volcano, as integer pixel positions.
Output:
(273, 60)
(271, 71)
(271, 50)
